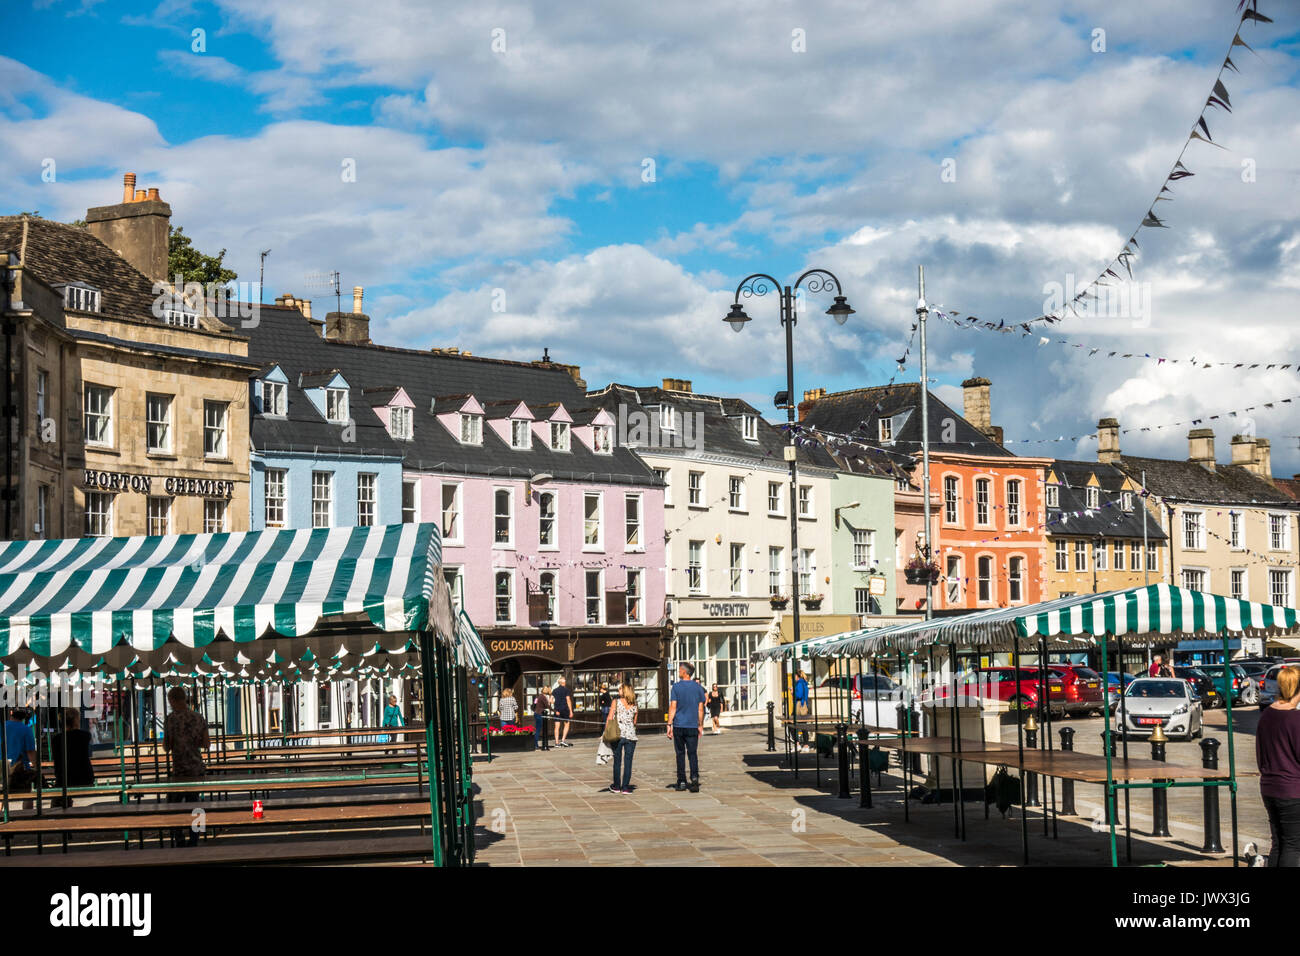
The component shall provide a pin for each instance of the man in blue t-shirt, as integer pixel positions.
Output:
(685, 716)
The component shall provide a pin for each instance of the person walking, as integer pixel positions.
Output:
(72, 763)
(605, 701)
(185, 737)
(685, 717)
(562, 699)
(509, 707)
(623, 712)
(801, 708)
(392, 713)
(715, 709)
(541, 707)
(1277, 755)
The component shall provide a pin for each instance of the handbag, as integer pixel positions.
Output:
(612, 734)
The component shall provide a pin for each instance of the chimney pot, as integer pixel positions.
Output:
(137, 235)
(128, 187)
(140, 195)
(357, 293)
(153, 192)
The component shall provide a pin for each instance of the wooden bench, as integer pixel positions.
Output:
(219, 785)
(232, 853)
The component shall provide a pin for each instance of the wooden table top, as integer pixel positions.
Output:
(242, 817)
(1091, 768)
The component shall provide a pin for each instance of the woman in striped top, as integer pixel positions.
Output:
(509, 706)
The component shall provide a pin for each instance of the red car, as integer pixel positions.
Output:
(1080, 690)
(1003, 684)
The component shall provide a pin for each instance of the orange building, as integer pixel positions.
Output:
(992, 546)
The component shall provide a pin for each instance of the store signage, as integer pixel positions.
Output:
(96, 480)
(817, 625)
(728, 609)
(522, 645)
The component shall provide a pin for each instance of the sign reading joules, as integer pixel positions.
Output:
(120, 481)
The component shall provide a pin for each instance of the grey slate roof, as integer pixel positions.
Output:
(284, 337)
(723, 435)
(1109, 519)
(1188, 481)
(844, 412)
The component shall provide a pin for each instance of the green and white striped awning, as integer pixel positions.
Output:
(1082, 619)
(233, 599)
(473, 653)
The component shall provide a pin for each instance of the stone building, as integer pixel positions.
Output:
(132, 408)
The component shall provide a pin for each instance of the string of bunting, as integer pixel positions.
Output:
(1200, 131)
(1094, 351)
(839, 443)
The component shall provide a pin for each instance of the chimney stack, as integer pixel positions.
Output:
(357, 293)
(1108, 452)
(352, 327)
(1200, 447)
(1243, 452)
(975, 404)
(1264, 459)
(676, 385)
(813, 394)
(136, 228)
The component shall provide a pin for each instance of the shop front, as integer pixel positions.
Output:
(528, 660)
(720, 639)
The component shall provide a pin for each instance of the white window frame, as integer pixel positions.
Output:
(1235, 531)
(736, 494)
(599, 543)
(886, 430)
(602, 439)
(103, 412)
(1200, 574)
(775, 570)
(1053, 496)
(665, 475)
(218, 430)
(1126, 500)
(635, 592)
(274, 504)
(216, 516)
(599, 598)
(807, 570)
(952, 499)
(1015, 502)
(1287, 595)
(1193, 530)
(507, 543)
(454, 575)
(42, 528)
(667, 418)
(322, 506)
(412, 486)
(985, 583)
(99, 520)
(696, 571)
(864, 543)
(158, 520)
(1062, 553)
(401, 422)
(552, 594)
(749, 427)
(471, 428)
(1279, 532)
(954, 590)
(367, 499)
(736, 572)
(984, 508)
(807, 510)
(779, 510)
(508, 576)
(1016, 579)
(1101, 555)
(42, 395)
(1080, 556)
(80, 297)
(151, 422)
(695, 489)
(560, 437)
(1153, 557)
(633, 524)
(521, 434)
(554, 518)
(336, 405)
(457, 511)
(275, 399)
(1239, 576)
(1092, 494)
(1118, 562)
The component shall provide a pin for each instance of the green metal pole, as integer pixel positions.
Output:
(1105, 741)
(447, 753)
(1232, 753)
(431, 745)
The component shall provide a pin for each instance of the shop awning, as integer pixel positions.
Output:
(473, 652)
(173, 601)
(1151, 609)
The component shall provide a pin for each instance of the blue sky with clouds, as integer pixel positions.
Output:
(504, 146)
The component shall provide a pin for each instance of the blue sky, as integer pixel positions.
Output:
(503, 146)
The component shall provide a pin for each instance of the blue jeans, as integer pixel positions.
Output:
(686, 740)
(539, 725)
(623, 751)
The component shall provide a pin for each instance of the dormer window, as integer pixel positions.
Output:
(275, 398)
(80, 297)
(471, 429)
(602, 439)
(182, 318)
(886, 429)
(521, 434)
(667, 418)
(749, 427)
(559, 436)
(336, 405)
(1053, 496)
(1094, 497)
(400, 423)
(1126, 501)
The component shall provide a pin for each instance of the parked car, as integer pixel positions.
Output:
(1115, 684)
(830, 693)
(1268, 685)
(1164, 702)
(1080, 691)
(1003, 685)
(1242, 688)
(1203, 688)
(1255, 671)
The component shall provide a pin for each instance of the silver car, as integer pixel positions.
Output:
(1165, 702)
(1268, 685)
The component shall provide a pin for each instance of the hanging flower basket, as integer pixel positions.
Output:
(812, 602)
(920, 571)
(780, 602)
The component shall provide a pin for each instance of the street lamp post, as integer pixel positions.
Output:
(758, 284)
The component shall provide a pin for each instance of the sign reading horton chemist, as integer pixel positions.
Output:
(115, 481)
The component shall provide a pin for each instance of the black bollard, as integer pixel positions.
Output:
(1210, 761)
(1108, 743)
(1031, 779)
(1159, 796)
(771, 726)
(842, 739)
(864, 768)
(546, 736)
(1067, 785)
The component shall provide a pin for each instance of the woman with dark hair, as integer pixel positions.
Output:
(1277, 755)
(714, 703)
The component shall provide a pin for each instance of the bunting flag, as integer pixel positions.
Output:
(1219, 99)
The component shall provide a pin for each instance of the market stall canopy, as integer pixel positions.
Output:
(257, 602)
(473, 653)
(1081, 619)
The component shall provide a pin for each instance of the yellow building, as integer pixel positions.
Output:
(133, 415)
(1095, 531)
